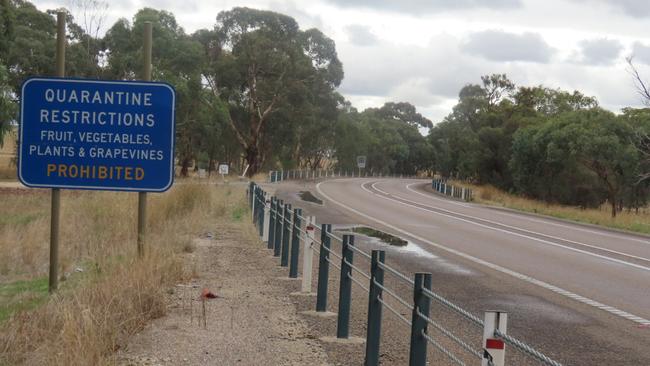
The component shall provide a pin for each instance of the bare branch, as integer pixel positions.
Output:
(640, 85)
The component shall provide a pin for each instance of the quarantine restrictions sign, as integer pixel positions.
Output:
(89, 134)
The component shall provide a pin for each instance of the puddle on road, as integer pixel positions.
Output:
(384, 237)
(309, 197)
(398, 245)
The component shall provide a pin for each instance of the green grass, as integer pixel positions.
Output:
(238, 213)
(22, 295)
(21, 219)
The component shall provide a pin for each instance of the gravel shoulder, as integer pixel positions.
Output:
(252, 322)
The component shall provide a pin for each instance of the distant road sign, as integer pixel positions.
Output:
(361, 161)
(223, 169)
(90, 134)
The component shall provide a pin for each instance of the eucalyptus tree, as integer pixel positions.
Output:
(7, 104)
(594, 141)
(178, 59)
(261, 63)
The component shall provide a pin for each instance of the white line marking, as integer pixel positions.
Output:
(638, 266)
(529, 232)
(547, 222)
(496, 267)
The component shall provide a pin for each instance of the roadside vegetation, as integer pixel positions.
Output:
(255, 89)
(106, 292)
(630, 220)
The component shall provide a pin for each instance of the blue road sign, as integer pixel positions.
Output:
(89, 134)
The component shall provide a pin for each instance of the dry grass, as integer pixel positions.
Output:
(8, 172)
(601, 216)
(261, 177)
(114, 294)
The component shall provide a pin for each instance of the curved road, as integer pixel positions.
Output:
(603, 273)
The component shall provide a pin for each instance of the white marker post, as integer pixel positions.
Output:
(494, 348)
(308, 253)
(267, 220)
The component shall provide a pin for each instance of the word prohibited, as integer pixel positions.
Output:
(88, 134)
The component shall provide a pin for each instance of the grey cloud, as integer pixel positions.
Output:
(427, 6)
(495, 45)
(304, 18)
(360, 35)
(634, 8)
(406, 70)
(641, 53)
(600, 51)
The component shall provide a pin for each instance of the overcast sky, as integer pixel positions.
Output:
(424, 51)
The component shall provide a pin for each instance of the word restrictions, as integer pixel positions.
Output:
(89, 134)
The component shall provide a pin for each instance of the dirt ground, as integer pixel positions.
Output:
(252, 322)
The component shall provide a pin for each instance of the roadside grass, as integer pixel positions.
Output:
(260, 177)
(624, 220)
(108, 293)
(22, 295)
(8, 172)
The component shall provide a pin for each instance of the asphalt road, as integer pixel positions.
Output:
(581, 293)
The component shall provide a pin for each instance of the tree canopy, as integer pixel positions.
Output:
(256, 89)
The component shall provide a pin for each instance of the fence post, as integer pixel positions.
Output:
(260, 212)
(272, 219)
(295, 243)
(345, 288)
(323, 268)
(373, 334)
(256, 213)
(251, 197)
(308, 254)
(279, 222)
(421, 302)
(286, 232)
(494, 349)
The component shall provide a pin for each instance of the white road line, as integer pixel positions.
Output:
(637, 266)
(523, 277)
(527, 218)
(531, 232)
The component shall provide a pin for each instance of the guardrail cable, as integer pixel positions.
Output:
(357, 282)
(526, 348)
(396, 273)
(334, 264)
(301, 231)
(450, 335)
(394, 295)
(334, 237)
(356, 269)
(363, 254)
(442, 349)
(400, 316)
(333, 253)
(453, 306)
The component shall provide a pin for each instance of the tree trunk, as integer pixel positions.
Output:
(253, 160)
(185, 163)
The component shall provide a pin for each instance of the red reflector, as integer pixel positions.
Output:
(310, 228)
(494, 344)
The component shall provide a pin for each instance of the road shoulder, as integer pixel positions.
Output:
(253, 321)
